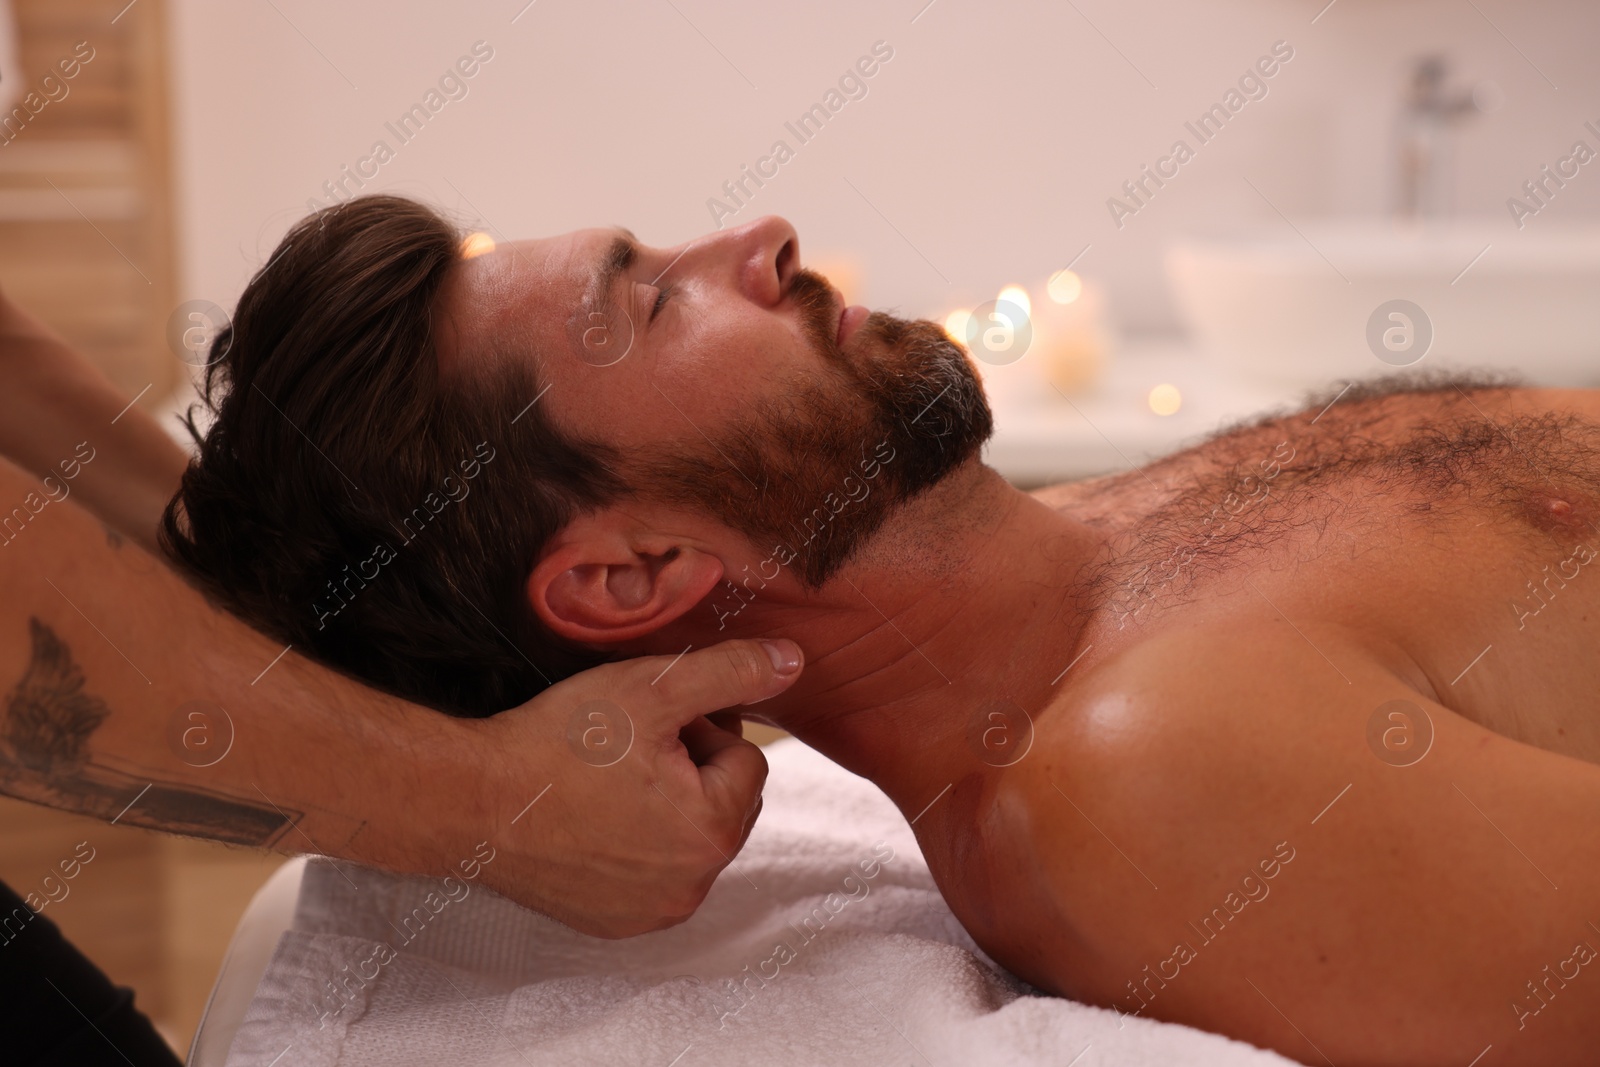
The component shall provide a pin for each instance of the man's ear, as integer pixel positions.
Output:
(601, 581)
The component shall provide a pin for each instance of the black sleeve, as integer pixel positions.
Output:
(56, 1007)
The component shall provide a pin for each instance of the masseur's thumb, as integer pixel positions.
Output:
(722, 676)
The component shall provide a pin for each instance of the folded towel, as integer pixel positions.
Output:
(825, 942)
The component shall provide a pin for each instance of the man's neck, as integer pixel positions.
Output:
(929, 653)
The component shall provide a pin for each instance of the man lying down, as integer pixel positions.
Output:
(1291, 735)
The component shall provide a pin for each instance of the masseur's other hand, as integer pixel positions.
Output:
(648, 800)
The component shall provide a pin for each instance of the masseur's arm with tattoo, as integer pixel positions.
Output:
(106, 656)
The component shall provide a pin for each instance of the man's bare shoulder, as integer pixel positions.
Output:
(1192, 722)
(1233, 826)
(1205, 678)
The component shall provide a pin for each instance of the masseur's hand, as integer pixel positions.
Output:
(647, 801)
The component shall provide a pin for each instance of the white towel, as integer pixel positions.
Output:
(871, 969)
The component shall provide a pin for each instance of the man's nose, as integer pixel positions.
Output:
(763, 255)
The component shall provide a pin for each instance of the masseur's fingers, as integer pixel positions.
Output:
(642, 800)
(711, 679)
(730, 720)
(724, 773)
(732, 772)
(711, 777)
(706, 736)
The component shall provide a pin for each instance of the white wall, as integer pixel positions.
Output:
(990, 141)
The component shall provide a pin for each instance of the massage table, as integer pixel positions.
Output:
(798, 956)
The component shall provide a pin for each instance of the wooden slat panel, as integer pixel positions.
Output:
(105, 146)
(101, 150)
(100, 99)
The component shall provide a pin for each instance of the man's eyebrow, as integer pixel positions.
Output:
(618, 255)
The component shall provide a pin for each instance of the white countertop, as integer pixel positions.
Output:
(1043, 437)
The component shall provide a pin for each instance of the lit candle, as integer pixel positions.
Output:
(1070, 332)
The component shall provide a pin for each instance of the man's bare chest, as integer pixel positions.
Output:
(1460, 530)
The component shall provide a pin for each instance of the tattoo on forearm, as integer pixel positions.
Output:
(44, 757)
(49, 717)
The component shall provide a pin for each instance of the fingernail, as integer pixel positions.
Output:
(785, 656)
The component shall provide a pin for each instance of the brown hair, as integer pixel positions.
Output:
(321, 506)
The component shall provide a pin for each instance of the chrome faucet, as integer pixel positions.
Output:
(1423, 148)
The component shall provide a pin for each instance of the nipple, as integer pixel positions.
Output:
(1558, 513)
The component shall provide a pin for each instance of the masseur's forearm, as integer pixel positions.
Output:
(128, 697)
(55, 402)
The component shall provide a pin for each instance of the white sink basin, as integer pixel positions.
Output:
(1295, 309)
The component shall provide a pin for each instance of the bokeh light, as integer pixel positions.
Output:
(476, 244)
(1017, 295)
(1064, 286)
(955, 324)
(1165, 399)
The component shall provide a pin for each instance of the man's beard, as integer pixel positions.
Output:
(814, 473)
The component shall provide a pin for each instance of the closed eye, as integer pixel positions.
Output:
(661, 301)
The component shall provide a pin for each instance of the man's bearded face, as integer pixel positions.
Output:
(819, 466)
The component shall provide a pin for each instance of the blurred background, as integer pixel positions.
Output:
(1362, 187)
